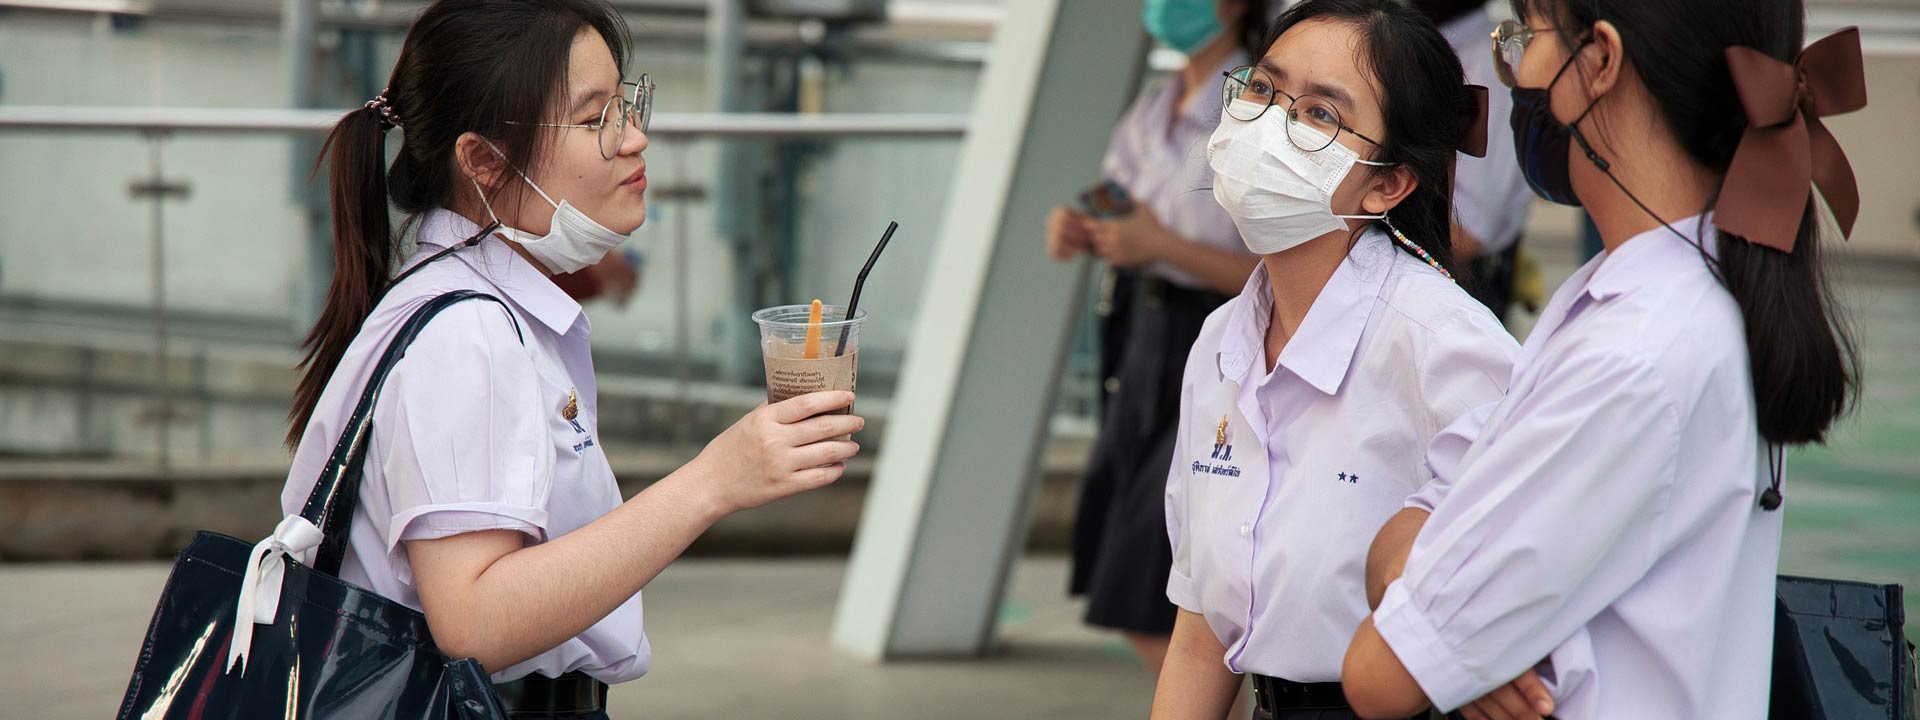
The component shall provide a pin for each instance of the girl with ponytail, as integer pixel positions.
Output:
(1615, 530)
(487, 502)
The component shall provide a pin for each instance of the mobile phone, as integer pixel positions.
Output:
(1105, 199)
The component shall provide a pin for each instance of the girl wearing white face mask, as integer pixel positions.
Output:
(1309, 401)
(487, 502)
(1171, 258)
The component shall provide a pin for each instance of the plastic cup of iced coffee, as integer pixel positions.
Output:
(802, 356)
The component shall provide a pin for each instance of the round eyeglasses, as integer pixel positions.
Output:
(1254, 87)
(1510, 41)
(632, 105)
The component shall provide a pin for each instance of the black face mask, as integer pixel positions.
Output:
(1541, 142)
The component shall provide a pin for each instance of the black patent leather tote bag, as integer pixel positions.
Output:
(1840, 651)
(312, 646)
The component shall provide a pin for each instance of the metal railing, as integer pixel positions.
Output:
(718, 125)
(156, 125)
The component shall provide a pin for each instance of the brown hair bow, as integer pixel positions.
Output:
(1473, 129)
(1786, 152)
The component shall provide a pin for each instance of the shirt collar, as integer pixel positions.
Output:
(1649, 256)
(1323, 348)
(1246, 327)
(522, 283)
(1206, 106)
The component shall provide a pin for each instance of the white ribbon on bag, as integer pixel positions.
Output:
(260, 588)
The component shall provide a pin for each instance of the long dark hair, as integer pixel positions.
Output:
(1253, 27)
(1423, 98)
(1800, 350)
(466, 66)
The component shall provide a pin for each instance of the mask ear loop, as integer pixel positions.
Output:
(1418, 251)
(1574, 127)
(1373, 163)
(523, 176)
(482, 192)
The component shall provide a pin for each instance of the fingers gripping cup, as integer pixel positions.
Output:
(796, 364)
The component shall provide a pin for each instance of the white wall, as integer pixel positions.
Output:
(1882, 145)
(68, 230)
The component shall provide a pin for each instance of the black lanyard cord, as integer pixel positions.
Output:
(1771, 498)
(462, 245)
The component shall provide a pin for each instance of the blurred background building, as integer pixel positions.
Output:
(162, 251)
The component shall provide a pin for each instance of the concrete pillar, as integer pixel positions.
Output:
(948, 510)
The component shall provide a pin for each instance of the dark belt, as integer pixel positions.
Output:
(1272, 693)
(573, 692)
(1160, 293)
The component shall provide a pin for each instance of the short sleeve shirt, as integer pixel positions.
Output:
(473, 432)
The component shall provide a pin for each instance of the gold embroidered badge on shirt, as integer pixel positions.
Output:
(572, 410)
(1220, 436)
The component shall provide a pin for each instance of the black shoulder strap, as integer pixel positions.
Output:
(335, 495)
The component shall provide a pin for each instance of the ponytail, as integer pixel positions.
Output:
(1801, 354)
(363, 253)
(1800, 351)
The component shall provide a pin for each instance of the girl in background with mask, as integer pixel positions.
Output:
(1309, 400)
(1490, 198)
(1617, 525)
(487, 501)
(1175, 258)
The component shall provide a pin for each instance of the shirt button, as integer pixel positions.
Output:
(1246, 529)
(1112, 385)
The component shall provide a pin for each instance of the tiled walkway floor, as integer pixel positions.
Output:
(1854, 504)
(748, 638)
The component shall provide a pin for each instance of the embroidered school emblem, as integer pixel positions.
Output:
(1220, 462)
(572, 410)
(1222, 442)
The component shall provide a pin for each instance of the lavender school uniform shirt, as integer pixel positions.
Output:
(1165, 169)
(1281, 480)
(1607, 519)
(470, 433)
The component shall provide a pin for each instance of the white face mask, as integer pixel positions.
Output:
(1278, 195)
(573, 240)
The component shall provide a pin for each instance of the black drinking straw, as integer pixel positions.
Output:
(860, 281)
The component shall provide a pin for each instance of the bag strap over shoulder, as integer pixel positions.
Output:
(335, 495)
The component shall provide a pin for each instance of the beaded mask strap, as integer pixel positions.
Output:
(1417, 250)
